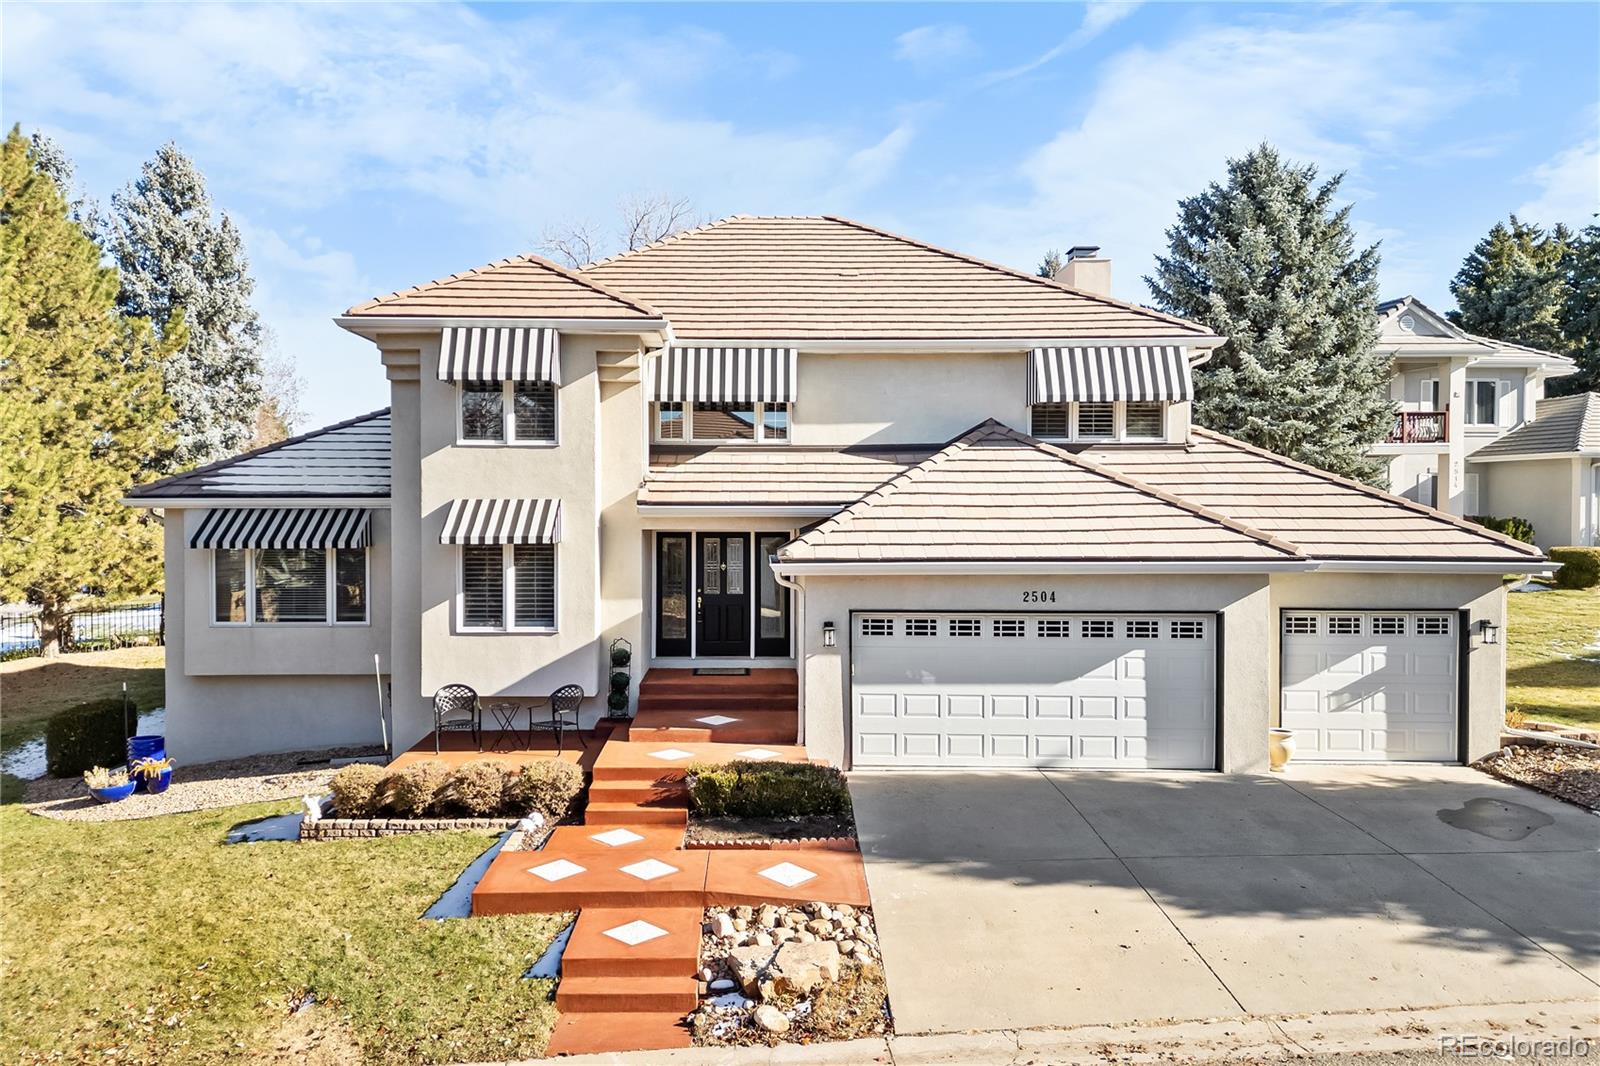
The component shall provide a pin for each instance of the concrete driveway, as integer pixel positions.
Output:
(1037, 899)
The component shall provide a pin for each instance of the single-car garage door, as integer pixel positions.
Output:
(1371, 686)
(996, 690)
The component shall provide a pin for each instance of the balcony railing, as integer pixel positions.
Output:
(1420, 427)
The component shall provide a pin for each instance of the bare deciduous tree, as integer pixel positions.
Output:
(644, 220)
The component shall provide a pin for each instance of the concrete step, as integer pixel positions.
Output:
(574, 838)
(662, 761)
(733, 726)
(644, 794)
(627, 995)
(543, 882)
(690, 701)
(602, 1032)
(600, 943)
(632, 813)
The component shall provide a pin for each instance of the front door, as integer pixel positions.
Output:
(722, 608)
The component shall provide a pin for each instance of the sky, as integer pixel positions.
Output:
(367, 148)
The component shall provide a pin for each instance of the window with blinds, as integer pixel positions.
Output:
(291, 585)
(483, 415)
(1049, 420)
(534, 411)
(228, 575)
(350, 585)
(1144, 421)
(1097, 421)
(534, 585)
(483, 590)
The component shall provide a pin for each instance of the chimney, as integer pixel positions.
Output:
(1085, 270)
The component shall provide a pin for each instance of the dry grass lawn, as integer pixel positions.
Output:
(1553, 655)
(32, 690)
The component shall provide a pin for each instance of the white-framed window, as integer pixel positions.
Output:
(289, 586)
(715, 422)
(507, 588)
(877, 627)
(1430, 394)
(1300, 624)
(1483, 402)
(1099, 421)
(506, 412)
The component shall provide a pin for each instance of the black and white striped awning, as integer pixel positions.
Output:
(487, 353)
(1123, 372)
(502, 522)
(284, 527)
(726, 375)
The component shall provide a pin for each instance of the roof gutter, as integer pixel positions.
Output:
(844, 346)
(370, 325)
(378, 502)
(1013, 566)
(1576, 453)
(1429, 566)
(740, 510)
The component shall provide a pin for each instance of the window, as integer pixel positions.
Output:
(508, 581)
(280, 586)
(1344, 625)
(1301, 624)
(1143, 629)
(1188, 629)
(1388, 625)
(723, 423)
(1144, 421)
(966, 627)
(1050, 420)
(1096, 421)
(922, 627)
(532, 405)
(1055, 627)
(1010, 627)
(1099, 628)
(1482, 403)
(1433, 625)
(1430, 395)
(877, 627)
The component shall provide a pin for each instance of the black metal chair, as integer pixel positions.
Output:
(456, 708)
(564, 704)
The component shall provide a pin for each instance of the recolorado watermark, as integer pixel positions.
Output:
(1470, 1046)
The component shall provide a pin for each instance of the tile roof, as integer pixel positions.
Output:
(1562, 424)
(829, 278)
(1326, 516)
(998, 495)
(524, 286)
(349, 458)
(743, 476)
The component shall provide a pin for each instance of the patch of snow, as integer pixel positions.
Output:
(274, 827)
(457, 899)
(549, 964)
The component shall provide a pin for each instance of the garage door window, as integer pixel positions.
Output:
(1344, 625)
(1303, 624)
(966, 627)
(877, 627)
(1144, 629)
(1010, 627)
(1433, 625)
(1055, 627)
(1099, 628)
(1388, 625)
(1188, 630)
(922, 627)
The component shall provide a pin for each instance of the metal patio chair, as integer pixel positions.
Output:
(456, 708)
(564, 704)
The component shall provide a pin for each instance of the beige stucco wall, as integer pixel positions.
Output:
(1544, 491)
(1515, 405)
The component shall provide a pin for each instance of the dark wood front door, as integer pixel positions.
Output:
(722, 606)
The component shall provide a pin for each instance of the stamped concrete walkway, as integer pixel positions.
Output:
(1026, 900)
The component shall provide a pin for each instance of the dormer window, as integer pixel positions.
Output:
(1105, 392)
(1140, 421)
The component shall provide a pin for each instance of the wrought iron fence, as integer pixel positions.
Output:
(88, 628)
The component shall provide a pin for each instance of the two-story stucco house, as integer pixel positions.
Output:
(1475, 435)
(964, 504)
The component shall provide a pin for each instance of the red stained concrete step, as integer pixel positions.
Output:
(643, 793)
(632, 813)
(667, 761)
(599, 944)
(748, 727)
(570, 838)
(734, 877)
(627, 994)
(510, 887)
(600, 1032)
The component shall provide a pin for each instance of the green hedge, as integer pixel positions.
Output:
(1580, 567)
(749, 789)
(1514, 527)
(88, 735)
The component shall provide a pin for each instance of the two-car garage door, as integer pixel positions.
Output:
(975, 689)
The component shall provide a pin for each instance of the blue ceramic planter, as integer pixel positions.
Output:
(115, 794)
(146, 746)
(159, 784)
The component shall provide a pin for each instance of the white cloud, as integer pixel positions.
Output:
(1098, 16)
(933, 44)
(1161, 122)
(1569, 187)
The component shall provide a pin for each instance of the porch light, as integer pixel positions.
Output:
(828, 637)
(1488, 632)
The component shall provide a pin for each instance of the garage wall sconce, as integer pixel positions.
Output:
(829, 639)
(1488, 632)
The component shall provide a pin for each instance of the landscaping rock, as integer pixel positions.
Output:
(747, 964)
(805, 967)
(722, 926)
(820, 926)
(770, 1019)
(723, 984)
(767, 916)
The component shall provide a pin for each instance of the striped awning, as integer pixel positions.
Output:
(284, 527)
(726, 375)
(487, 353)
(1124, 372)
(502, 522)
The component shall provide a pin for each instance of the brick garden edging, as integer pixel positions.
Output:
(352, 828)
(798, 844)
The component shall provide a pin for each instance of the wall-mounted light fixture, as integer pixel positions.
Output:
(1488, 632)
(829, 639)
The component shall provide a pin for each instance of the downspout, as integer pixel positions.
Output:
(800, 631)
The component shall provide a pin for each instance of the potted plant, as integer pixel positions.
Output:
(108, 786)
(154, 774)
(621, 653)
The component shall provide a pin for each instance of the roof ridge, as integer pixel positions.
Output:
(524, 258)
(1051, 283)
(669, 238)
(1410, 505)
(231, 460)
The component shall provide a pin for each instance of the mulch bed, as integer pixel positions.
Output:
(757, 830)
(1571, 774)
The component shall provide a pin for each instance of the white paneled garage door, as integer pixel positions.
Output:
(1371, 686)
(996, 690)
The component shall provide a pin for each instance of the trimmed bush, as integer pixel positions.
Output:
(617, 699)
(476, 788)
(412, 791)
(750, 789)
(1513, 527)
(357, 790)
(1580, 567)
(88, 735)
(548, 786)
(621, 656)
(619, 681)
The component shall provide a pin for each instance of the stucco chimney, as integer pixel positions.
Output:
(1086, 270)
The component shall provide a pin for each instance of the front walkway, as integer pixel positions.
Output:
(1039, 899)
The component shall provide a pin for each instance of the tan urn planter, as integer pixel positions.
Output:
(1280, 748)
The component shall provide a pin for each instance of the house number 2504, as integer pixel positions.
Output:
(1038, 596)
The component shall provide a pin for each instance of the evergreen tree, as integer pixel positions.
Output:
(1050, 265)
(1511, 286)
(1580, 313)
(175, 258)
(1266, 260)
(82, 412)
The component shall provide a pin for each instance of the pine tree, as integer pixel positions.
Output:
(82, 412)
(1050, 265)
(1266, 260)
(175, 258)
(1580, 313)
(1511, 286)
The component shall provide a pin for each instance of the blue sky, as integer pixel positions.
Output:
(366, 148)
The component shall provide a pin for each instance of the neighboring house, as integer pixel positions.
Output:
(964, 503)
(1459, 395)
(1548, 471)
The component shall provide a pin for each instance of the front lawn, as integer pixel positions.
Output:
(32, 690)
(152, 941)
(1552, 658)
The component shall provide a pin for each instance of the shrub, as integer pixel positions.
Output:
(1514, 527)
(1580, 567)
(476, 788)
(749, 789)
(357, 790)
(548, 786)
(87, 735)
(412, 791)
(617, 699)
(621, 656)
(619, 681)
